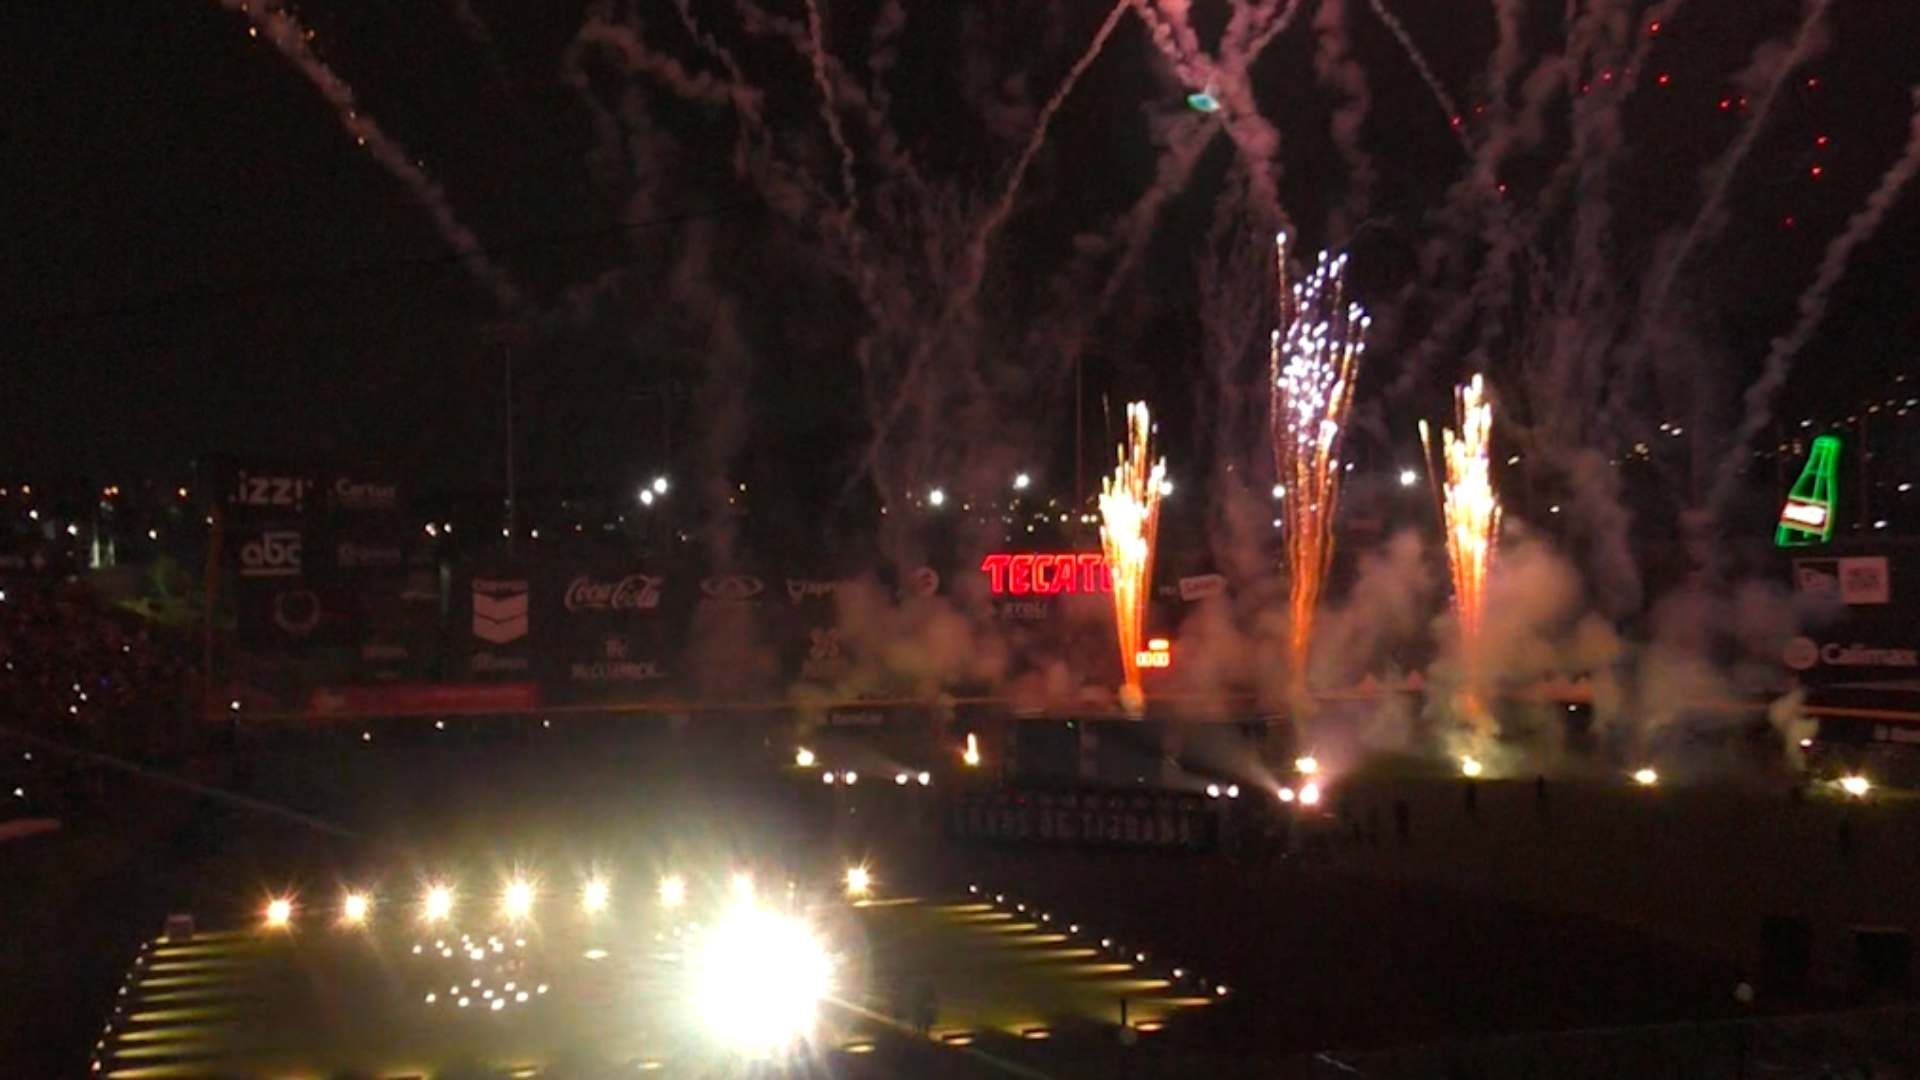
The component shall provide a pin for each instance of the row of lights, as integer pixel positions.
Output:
(1179, 974)
(517, 900)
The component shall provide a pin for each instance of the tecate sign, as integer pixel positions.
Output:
(732, 588)
(635, 592)
(271, 554)
(351, 494)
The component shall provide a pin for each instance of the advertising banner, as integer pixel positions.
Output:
(493, 626)
(610, 628)
(1085, 818)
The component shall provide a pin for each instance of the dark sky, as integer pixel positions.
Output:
(199, 259)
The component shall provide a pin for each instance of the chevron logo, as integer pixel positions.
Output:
(499, 610)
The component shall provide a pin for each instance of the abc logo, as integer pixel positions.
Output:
(272, 554)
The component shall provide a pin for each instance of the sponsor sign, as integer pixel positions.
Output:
(616, 664)
(499, 610)
(1032, 573)
(1202, 586)
(272, 553)
(1862, 580)
(350, 493)
(633, 592)
(358, 555)
(1089, 818)
(270, 492)
(800, 590)
(1803, 653)
(425, 699)
(730, 588)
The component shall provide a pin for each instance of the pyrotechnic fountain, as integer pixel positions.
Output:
(1315, 358)
(1470, 516)
(1130, 523)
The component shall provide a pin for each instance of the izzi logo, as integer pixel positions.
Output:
(499, 610)
(270, 492)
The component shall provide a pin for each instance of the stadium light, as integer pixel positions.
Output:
(436, 903)
(1309, 794)
(742, 885)
(924, 778)
(354, 908)
(595, 895)
(1471, 768)
(803, 757)
(1408, 478)
(673, 891)
(901, 779)
(279, 913)
(1213, 791)
(937, 497)
(1286, 795)
(1307, 765)
(1646, 777)
(859, 881)
(757, 980)
(1856, 785)
(516, 899)
(1021, 481)
(849, 778)
(659, 485)
(971, 755)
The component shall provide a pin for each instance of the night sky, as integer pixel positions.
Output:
(200, 259)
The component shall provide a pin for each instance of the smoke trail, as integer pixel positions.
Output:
(290, 37)
(1770, 66)
(816, 56)
(1334, 62)
(974, 266)
(1419, 60)
(1812, 306)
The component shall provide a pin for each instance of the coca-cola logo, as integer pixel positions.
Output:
(732, 588)
(635, 592)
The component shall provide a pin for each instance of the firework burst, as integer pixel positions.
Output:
(1315, 357)
(1470, 514)
(1130, 523)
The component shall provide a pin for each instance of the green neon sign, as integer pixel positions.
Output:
(1808, 516)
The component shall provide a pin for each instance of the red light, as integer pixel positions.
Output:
(1813, 83)
(1820, 141)
(1725, 104)
(1663, 78)
(1815, 172)
(1454, 120)
(1607, 75)
(1787, 222)
(1653, 27)
(1047, 574)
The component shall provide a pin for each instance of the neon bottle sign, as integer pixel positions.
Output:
(1047, 574)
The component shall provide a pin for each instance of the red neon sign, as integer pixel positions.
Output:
(1028, 573)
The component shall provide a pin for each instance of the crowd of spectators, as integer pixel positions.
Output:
(77, 673)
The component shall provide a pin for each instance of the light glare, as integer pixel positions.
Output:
(673, 891)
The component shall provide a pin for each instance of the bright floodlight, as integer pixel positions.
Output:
(1408, 478)
(971, 755)
(924, 778)
(803, 757)
(436, 903)
(1309, 794)
(1307, 765)
(901, 779)
(516, 900)
(279, 913)
(1021, 481)
(1166, 486)
(673, 891)
(1470, 767)
(595, 895)
(1856, 785)
(646, 496)
(354, 908)
(1646, 777)
(1233, 791)
(850, 777)
(859, 881)
(757, 979)
(1213, 791)
(1286, 794)
(936, 497)
(742, 885)
(659, 485)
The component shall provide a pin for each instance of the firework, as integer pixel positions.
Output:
(1470, 514)
(1315, 357)
(1130, 521)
